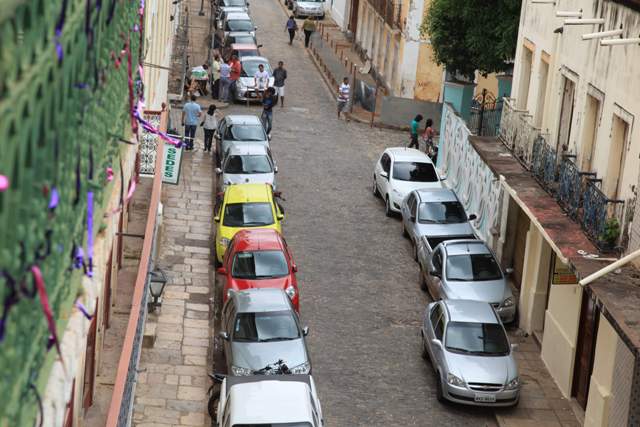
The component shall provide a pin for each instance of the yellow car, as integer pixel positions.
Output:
(245, 206)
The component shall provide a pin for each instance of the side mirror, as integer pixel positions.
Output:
(259, 46)
(216, 218)
(269, 137)
(255, 28)
(434, 273)
(514, 347)
(436, 343)
(294, 268)
(218, 171)
(224, 335)
(412, 218)
(443, 177)
(305, 331)
(384, 175)
(472, 217)
(280, 216)
(221, 270)
(508, 270)
(275, 169)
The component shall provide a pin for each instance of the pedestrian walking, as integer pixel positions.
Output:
(236, 69)
(279, 76)
(414, 131)
(225, 82)
(344, 94)
(268, 101)
(210, 124)
(215, 76)
(427, 135)
(261, 80)
(191, 111)
(291, 27)
(309, 26)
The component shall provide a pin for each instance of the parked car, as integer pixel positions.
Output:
(238, 37)
(222, 13)
(246, 85)
(231, 3)
(238, 129)
(235, 21)
(433, 212)
(275, 400)
(259, 259)
(399, 171)
(247, 163)
(470, 353)
(467, 269)
(261, 327)
(241, 50)
(245, 206)
(302, 8)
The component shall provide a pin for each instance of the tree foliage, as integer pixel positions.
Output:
(470, 35)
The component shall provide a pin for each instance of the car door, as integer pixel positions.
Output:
(406, 212)
(413, 218)
(433, 282)
(229, 320)
(383, 175)
(437, 322)
(432, 316)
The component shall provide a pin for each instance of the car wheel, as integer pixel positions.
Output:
(387, 208)
(422, 281)
(439, 393)
(376, 192)
(212, 406)
(322, 17)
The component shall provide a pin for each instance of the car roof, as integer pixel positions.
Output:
(258, 239)
(470, 311)
(254, 58)
(408, 154)
(464, 247)
(248, 193)
(240, 33)
(269, 400)
(247, 149)
(240, 16)
(437, 195)
(244, 46)
(260, 300)
(243, 119)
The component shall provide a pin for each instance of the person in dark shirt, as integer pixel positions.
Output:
(268, 101)
(279, 76)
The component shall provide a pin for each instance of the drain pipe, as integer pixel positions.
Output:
(609, 268)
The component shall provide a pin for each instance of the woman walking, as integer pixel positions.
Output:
(210, 124)
(414, 131)
(308, 27)
(291, 27)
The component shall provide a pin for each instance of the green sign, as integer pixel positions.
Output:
(172, 160)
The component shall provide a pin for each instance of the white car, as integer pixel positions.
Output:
(270, 400)
(398, 172)
(237, 21)
(247, 163)
(309, 8)
(246, 89)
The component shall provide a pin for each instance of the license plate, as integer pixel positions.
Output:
(251, 95)
(485, 398)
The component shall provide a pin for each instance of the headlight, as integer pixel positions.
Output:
(301, 369)
(513, 384)
(239, 371)
(453, 380)
(508, 302)
(224, 242)
(291, 291)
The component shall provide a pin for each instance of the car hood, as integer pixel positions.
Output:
(257, 355)
(277, 283)
(226, 143)
(485, 291)
(251, 82)
(433, 230)
(309, 5)
(482, 369)
(252, 178)
(405, 187)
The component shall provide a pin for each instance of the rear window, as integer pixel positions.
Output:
(472, 268)
(239, 25)
(259, 265)
(415, 172)
(274, 425)
(441, 213)
(248, 215)
(435, 241)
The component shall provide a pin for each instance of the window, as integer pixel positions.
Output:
(414, 172)
(248, 215)
(437, 260)
(435, 314)
(247, 164)
(439, 328)
(244, 133)
(441, 213)
(385, 162)
(249, 68)
(472, 267)
(239, 25)
(525, 76)
(259, 265)
(477, 338)
(266, 326)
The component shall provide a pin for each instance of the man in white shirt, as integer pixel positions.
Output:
(225, 82)
(261, 78)
(344, 94)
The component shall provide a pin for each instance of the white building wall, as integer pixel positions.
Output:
(340, 13)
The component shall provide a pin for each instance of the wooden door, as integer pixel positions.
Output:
(566, 116)
(585, 350)
(353, 21)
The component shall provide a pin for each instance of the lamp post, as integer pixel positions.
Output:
(157, 282)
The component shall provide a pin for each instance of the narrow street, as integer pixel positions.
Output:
(359, 290)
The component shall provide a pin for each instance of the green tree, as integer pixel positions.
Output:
(470, 35)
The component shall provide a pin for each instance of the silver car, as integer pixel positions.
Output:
(259, 328)
(247, 163)
(470, 353)
(467, 269)
(238, 129)
(246, 89)
(434, 212)
(308, 8)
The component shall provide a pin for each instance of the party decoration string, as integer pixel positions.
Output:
(109, 173)
(54, 199)
(83, 309)
(58, 32)
(46, 308)
(4, 183)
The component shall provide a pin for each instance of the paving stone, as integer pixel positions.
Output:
(192, 323)
(185, 380)
(193, 419)
(172, 379)
(189, 370)
(198, 351)
(151, 401)
(198, 315)
(187, 405)
(198, 289)
(191, 393)
(195, 360)
(196, 332)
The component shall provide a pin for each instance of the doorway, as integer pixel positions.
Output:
(520, 246)
(613, 177)
(566, 115)
(585, 350)
(589, 132)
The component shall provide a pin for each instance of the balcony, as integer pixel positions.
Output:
(390, 12)
(578, 192)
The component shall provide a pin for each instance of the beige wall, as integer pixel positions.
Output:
(158, 45)
(428, 75)
(560, 334)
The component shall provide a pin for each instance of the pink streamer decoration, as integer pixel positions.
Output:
(149, 128)
(109, 174)
(46, 308)
(4, 183)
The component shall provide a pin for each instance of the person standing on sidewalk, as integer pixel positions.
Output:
(225, 82)
(309, 27)
(344, 93)
(414, 131)
(190, 113)
(236, 69)
(268, 102)
(210, 124)
(261, 80)
(215, 77)
(291, 27)
(279, 76)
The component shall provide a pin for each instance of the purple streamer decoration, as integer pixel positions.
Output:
(149, 128)
(89, 271)
(54, 199)
(58, 32)
(78, 258)
(83, 310)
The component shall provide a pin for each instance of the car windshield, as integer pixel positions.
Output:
(274, 425)
(247, 215)
(245, 133)
(239, 25)
(266, 326)
(477, 338)
(246, 52)
(234, 3)
(248, 164)
(414, 171)
(248, 39)
(472, 268)
(436, 240)
(259, 265)
(441, 213)
(249, 68)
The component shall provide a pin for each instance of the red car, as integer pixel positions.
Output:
(259, 258)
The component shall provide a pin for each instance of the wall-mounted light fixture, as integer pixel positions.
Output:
(569, 14)
(603, 34)
(553, 2)
(585, 21)
(618, 42)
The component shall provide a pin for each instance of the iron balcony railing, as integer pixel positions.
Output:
(390, 11)
(601, 216)
(486, 110)
(517, 132)
(544, 164)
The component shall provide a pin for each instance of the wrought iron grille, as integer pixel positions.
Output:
(599, 212)
(543, 164)
(389, 10)
(569, 188)
(486, 111)
(517, 133)
(64, 105)
(148, 144)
